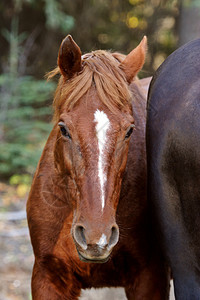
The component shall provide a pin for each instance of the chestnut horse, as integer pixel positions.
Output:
(87, 210)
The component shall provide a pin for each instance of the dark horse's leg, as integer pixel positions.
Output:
(152, 283)
(44, 289)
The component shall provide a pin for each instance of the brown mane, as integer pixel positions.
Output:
(100, 68)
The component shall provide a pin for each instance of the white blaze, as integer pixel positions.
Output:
(102, 125)
(103, 241)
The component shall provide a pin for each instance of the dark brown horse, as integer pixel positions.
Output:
(87, 210)
(173, 152)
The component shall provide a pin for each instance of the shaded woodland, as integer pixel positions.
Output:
(31, 32)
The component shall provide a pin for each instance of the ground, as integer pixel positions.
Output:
(16, 253)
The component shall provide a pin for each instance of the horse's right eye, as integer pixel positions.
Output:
(63, 129)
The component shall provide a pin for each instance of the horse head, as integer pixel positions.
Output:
(93, 115)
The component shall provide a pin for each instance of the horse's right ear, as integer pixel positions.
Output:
(69, 57)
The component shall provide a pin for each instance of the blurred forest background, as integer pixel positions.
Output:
(30, 34)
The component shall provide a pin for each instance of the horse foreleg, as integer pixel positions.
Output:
(43, 288)
(152, 283)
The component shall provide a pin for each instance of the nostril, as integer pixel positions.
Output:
(114, 237)
(79, 236)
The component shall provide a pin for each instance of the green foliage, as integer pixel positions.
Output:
(20, 179)
(23, 122)
(56, 18)
(14, 39)
(24, 114)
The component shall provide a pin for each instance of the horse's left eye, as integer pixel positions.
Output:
(129, 131)
(63, 129)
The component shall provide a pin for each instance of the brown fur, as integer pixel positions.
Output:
(65, 191)
(101, 69)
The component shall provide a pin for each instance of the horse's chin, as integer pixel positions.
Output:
(90, 259)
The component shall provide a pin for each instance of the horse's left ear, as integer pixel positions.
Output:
(69, 57)
(134, 61)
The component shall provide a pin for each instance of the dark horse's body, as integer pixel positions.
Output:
(173, 152)
(79, 240)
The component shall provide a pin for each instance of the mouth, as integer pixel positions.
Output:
(99, 260)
